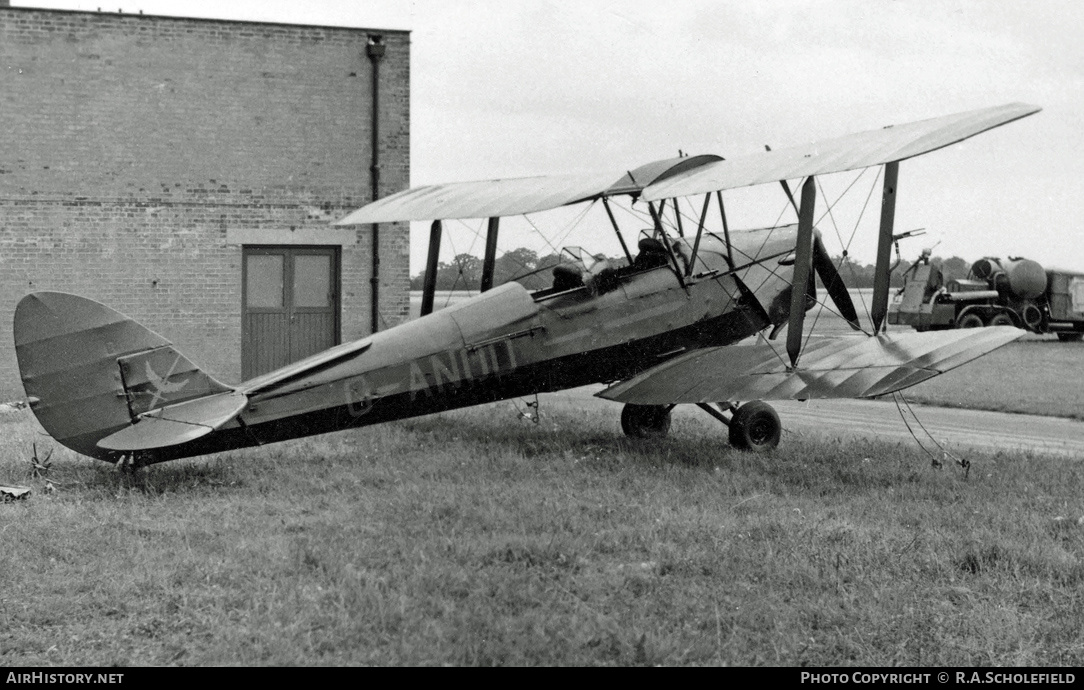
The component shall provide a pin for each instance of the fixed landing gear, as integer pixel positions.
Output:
(130, 463)
(754, 427)
(646, 421)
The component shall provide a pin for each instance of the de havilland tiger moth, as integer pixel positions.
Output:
(661, 327)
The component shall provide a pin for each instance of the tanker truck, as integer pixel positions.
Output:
(1010, 292)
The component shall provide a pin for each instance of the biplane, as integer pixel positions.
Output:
(662, 326)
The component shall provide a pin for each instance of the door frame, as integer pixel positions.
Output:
(290, 251)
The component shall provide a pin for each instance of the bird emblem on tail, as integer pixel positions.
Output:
(162, 385)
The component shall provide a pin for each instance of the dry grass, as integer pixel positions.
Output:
(478, 538)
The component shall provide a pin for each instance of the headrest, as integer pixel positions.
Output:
(650, 245)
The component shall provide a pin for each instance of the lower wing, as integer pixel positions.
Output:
(837, 367)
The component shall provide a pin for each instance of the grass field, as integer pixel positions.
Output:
(477, 537)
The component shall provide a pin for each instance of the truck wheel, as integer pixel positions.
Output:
(1033, 317)
(1070, 337)
(1002, 319)
(755, 427)
(969, 320)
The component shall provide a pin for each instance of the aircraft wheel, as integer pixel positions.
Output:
(1070, 337)
(1002, 319)
(645, 421)
(971, 320)
(755, 427)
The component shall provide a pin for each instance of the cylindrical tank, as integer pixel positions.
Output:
(985, 268)
(1022, 278)
(963, 285)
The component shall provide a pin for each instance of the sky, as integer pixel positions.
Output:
(509, 88)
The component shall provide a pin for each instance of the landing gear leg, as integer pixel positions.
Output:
(646, 421)
(725, 407)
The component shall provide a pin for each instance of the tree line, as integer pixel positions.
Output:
(464, 272)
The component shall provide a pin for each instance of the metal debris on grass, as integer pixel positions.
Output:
(39, 468)
(14, 493)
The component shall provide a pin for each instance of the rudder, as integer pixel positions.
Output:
(89, 370)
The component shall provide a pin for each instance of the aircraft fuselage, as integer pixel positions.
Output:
(508, 342)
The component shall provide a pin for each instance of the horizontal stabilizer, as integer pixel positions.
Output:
(304, 367)
(176, 424)
(838, 367)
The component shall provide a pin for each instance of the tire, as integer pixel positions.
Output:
(1033, 317)
(970, 320)
(645, 421)
(755, 427)
(1002, 319)
(1070, 337)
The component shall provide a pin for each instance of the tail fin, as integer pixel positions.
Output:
(90, 371)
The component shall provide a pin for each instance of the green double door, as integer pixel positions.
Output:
(290, 306)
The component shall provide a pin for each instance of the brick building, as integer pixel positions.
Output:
(184, 172)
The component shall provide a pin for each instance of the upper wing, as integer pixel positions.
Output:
(513, 197)
(482, 199)
(683, 176)
(851, 152)
(839, 367)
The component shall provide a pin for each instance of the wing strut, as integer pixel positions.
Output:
(786, 188)
(726, 230)
(655, 217)
(802, 263)
(884, 247)
(429, 287)
(699, 234)
(490, 259)
(617, 230)
(822, 264)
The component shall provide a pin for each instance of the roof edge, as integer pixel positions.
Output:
(211, 20)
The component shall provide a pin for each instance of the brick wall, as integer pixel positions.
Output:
(130, 147)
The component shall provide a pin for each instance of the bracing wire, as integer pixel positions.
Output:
(575, 222)
(828, 210)
(962, 462)
(478, 236)
(869, 196)
(846, 247)
(459, 267)
(541, 234)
